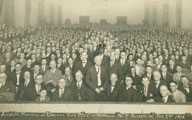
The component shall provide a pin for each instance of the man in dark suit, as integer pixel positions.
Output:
(104, 58)
(136, 78)
(62, 93)
(165, 76)
(128, 93)
(155, 85)
(83, 64)
(171, 67)
(112, 89)
(60, 65)
(123, 63)
(97, 80)
(115, 67)
(27, 67)
(149, 72)
(79, 89)
(146, 90)
(165, 97)
(17, 76)
(36, 71)
(7, 88)
(186, 88)
(38, 86)
(11, 67)
(25, 88)
(44, 67)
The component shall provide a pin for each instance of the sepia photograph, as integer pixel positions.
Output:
(95, 59)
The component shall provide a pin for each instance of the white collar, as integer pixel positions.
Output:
(165, 98)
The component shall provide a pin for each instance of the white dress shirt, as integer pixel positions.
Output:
(79, 84)
(18, 76)
(98, 70)
(61, 91)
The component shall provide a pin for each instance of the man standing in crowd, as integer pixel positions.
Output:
(83, 64)
(97, 80)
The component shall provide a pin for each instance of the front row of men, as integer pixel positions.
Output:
(81, 90)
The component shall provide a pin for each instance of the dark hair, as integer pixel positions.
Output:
(184, 76)
(173, 82)
(122, 51)
(127, 76)
(18, 63)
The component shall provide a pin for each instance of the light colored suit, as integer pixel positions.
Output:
(179, 97)
(52, 77)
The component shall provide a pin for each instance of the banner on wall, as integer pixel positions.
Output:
(92, 116)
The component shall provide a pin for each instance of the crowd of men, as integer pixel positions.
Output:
(95, 63)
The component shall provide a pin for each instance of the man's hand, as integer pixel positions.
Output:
(53, 90)
(98, 90)
(150, 101)
(101, 89)
(134, 87)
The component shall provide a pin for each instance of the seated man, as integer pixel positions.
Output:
(155, 85)
(78, 87)
(146, 90)
(127, 92)
(178, 96)
(7, 89)
(62, 93)
(186, 88)
(113, 88)
(166, 98)
(25, 88)
(38, 86)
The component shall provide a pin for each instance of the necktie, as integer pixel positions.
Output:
(156, 85)
(98, 69)
(25, 84)
(122, 62)
(164, 75)
(179, 75)
(145, 91)
(43, 68)
(112, 87)
(61, 92)
(84, 63)
(164, 100)
(78, 86)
